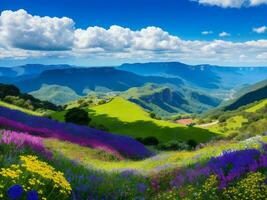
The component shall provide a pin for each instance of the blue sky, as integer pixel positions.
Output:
(213, 29)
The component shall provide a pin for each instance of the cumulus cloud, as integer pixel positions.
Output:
(25, 36)
(261, 29)
(206, 32)
(224, 34)
(117, 38)
(232, 3)
(22, 30)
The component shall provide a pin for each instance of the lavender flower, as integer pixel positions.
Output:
(23, 139)
(82, 135)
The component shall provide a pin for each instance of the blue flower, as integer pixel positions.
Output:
(15, 192)
(32, 195)
(141, 187)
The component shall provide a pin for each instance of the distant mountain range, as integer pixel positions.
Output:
(29, 69)
(204, 76)
(174, 87)
(257, 94)
(80, 79)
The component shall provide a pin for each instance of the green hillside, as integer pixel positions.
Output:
(257, 106)
(13, 107)
(244, 122)
(250, 97)
(123, 117)
(166, 100)
(56, 94)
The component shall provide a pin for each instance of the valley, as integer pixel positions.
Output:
(135, 136)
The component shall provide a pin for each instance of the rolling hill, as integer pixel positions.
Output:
(246, 121)
(166, 101)
(12, 95)
(124, 117)
(258, 94)
(56, 94)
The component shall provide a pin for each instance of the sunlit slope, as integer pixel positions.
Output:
(13, 107)
(257, 106)
(239, 118)
(123, 117)
(230, 125)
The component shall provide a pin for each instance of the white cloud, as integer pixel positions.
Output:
(224, 34)
(117, 38)
(261, 29)
(25, 36)
(232, 3)
(257, 2)
(22, 30)
(206, 32)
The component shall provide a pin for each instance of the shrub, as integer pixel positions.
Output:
(174, 145)
(150, 141)
(192, 143)
(154, 116)
(102, 127)
(77, 116)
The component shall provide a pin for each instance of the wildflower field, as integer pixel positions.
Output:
(38, 168)
(44, 159)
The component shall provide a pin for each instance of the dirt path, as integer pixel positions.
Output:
(208, 124)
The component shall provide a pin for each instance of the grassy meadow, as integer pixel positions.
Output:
(56, 169)
(136, 122)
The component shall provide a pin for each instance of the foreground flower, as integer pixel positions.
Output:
(23, 139)
(15, 192)
(33, 175)
(32, 195)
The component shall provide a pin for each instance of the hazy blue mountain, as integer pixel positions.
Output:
(80, 79)
(29, 69)
(204, 76)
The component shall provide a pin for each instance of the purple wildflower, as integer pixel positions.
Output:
(23, 139)
(233, 164)
(82, 135)
(32, 195)
(141, 187)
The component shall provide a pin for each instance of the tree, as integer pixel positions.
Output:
(192, 143)
(77, 116)
(150, 141)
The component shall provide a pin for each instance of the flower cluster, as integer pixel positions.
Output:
(251, 187)
(21, 140)
(234, 164)
(82, 135)
(36, 178)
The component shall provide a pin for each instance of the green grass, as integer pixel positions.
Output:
(164, 160)
(232, 124)
(258, 106)
(13, 107)
(123, 117)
